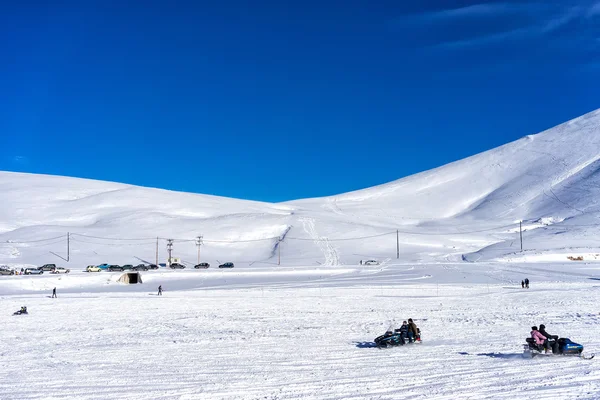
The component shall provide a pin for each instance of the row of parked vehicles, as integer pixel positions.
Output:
(52, 268)
(146, 267)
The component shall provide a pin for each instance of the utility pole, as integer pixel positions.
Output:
(157, 251)
(521, 233)
(68, 246)
(397, 244)
(169, 249)
(279, 250)
(199, 243)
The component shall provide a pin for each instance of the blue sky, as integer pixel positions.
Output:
(273, 100)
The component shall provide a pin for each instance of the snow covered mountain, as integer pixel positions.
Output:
(467, 210)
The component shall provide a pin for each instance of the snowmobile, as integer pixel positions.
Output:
(562, 346)
(393, 338)
(22, 311)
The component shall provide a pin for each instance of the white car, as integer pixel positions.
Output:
(60, 270)
(34, 271)
(93, 268)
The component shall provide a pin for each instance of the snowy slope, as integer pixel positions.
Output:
(304, 329)
(467, 208)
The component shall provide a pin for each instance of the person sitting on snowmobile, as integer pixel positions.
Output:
(23, 310)
(552, 339)
(539, 339)
(413, 331)
(403, 332)
(542, 330)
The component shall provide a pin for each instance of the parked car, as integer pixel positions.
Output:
(47, 267)
(115, 268)
(176, 266)
(140, 267)
(6, 271)
(103, 266)
(92, 268)
(127, 267)
(60, 270)
(152, 266)
(202, 265)
(226, 265)
(371, 262)
(34, 271)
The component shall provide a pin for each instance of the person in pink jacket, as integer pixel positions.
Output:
(540, 339)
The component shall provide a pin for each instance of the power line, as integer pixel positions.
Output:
(36, 241)
(113, 238)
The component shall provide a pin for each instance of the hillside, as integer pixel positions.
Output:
(467, 210)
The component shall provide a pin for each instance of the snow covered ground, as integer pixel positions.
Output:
(299, 333)
(296, 317)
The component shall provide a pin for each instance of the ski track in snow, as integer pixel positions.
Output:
(308, 343)
(331, 255)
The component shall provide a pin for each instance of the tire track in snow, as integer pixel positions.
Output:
(331, 255)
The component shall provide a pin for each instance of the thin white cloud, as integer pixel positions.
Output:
(475, 10)
(481, 10)
(20, 159)
(546, 22)
(485, 39)
(555, 23)
(594, 10)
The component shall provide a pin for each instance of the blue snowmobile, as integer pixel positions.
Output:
(562, 346)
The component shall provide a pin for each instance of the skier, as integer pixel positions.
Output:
(54, 293)
(160, 290)
(522, 284)
(527, 283)
(412, 331)
(540, 339)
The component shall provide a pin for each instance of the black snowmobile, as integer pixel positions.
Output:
(561, 346)
(22, 311)
(394, 338)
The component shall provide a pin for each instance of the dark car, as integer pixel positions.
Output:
(140, 267)
(176, 266)
(115, 268)
(202, 265)
(127, 267)
(226, 265)
(47, 267)
(152, 266)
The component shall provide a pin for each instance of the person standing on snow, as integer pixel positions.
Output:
(159, 290)
(54, 293)
(527, 283)
(522, 284)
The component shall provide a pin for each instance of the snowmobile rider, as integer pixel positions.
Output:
(552, 339)
(542, 330)
(413, 332)
(403, 332)
(539, 339)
